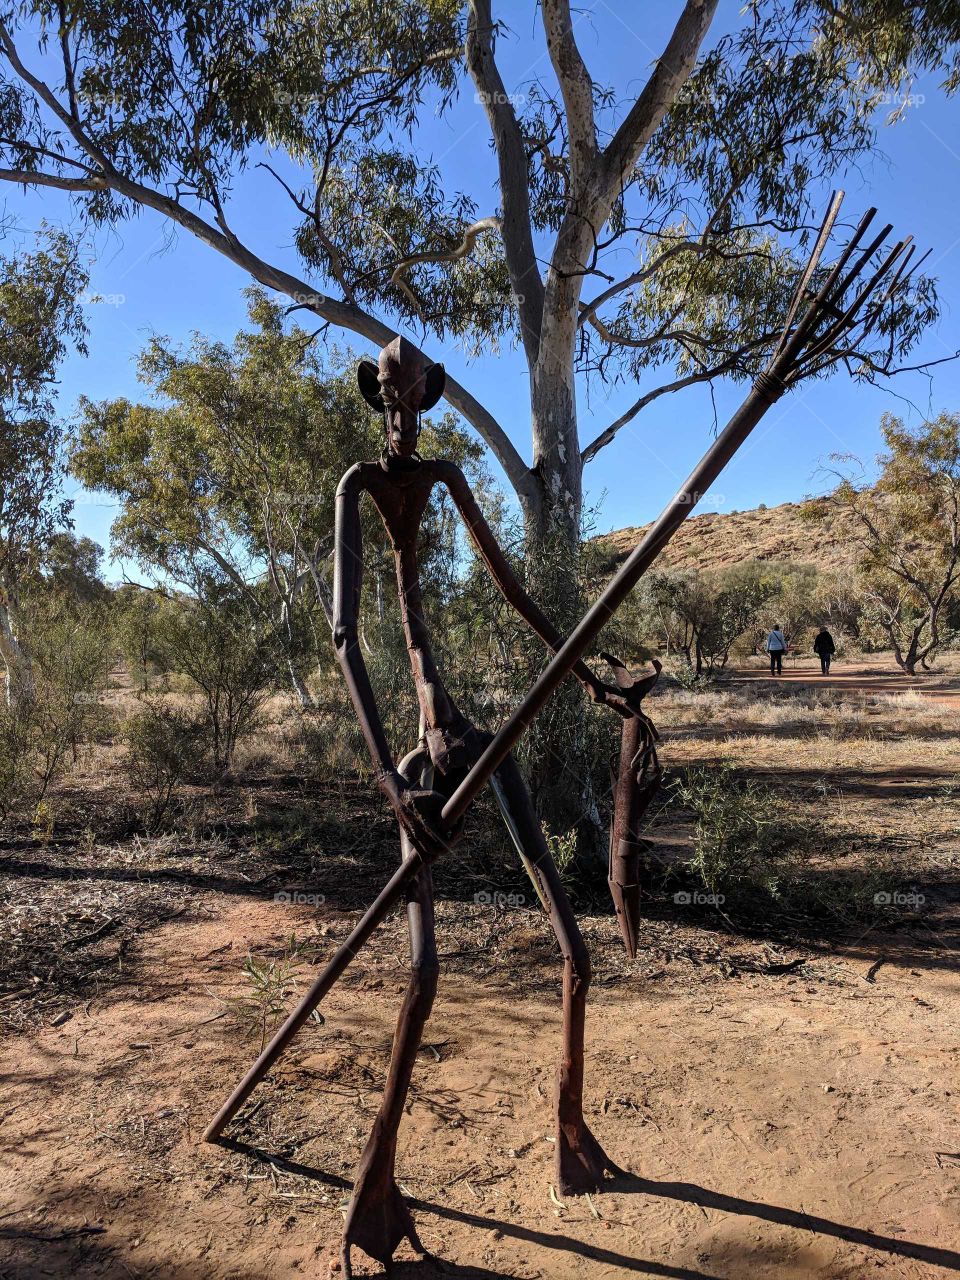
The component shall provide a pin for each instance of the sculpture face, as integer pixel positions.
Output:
(402, 386)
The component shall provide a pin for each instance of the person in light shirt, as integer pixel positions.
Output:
(776, 648)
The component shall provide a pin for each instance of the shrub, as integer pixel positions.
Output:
(212, 643)
(71, 655)
(15, 770)
(742, 837)
(165, 745)
(62, 704)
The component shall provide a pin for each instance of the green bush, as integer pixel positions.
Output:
(165, 745)
(233, 667)
(742, 837)
(60, 707)
(16, 774)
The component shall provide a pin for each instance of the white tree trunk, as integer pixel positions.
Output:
(18, 680)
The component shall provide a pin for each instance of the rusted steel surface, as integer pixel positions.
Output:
(636, 777)
(399, 484)
(432, 789)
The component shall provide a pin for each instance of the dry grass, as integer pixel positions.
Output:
(874, 775)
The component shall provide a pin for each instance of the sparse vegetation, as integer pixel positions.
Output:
(165, 744)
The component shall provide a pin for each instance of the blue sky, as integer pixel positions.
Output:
(163, 282)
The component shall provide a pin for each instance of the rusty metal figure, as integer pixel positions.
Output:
(432, 788)
(400, 485)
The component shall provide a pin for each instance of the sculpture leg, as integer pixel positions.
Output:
(378, 1218)
(580, 1160)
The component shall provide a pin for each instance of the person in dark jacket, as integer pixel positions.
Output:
(824, 648)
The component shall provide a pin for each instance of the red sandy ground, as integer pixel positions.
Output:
(775, 1125)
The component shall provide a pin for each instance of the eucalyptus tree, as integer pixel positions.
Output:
(640, 231)
(906, 531)
(41, 318)
(646, 231)
(226, 478)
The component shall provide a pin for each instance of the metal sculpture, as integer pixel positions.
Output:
(635, 779)
(435, 784)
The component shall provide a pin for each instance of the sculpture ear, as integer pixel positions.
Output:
(433, 385)
(369, 383)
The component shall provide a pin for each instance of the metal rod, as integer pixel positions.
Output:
(338, 962)
(600, 612)
(823, 235)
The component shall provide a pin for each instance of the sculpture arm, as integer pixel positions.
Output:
(347, 581)
(503, 575)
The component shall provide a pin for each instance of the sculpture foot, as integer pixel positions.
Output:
(581, 1162)
(377, 1221)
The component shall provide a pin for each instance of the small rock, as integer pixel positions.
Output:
(828, 1088)
(61, 1018)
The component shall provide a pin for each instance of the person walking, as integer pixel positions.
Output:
(824, 648)
(776, 648)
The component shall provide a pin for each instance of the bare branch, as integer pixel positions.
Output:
(33, 178)
(452, 255)
(672, 72)
(514, 177)
(577, 89)
(608, 433)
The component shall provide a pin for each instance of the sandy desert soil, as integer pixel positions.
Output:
(782, 1110)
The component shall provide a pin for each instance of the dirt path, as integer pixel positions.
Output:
(797, 1124)
(872, 676)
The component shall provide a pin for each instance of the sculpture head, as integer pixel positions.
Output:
(402, 386)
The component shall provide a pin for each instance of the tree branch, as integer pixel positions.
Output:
(33, 178)
(342, 314)
(672, 72)
(577, 89)
(514, 176)
(451, 255)
(605, 436)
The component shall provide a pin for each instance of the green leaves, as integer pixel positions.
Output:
(907, 529)
(40, 319)
(164, 106)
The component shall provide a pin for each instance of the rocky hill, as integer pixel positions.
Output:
(716, 540)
